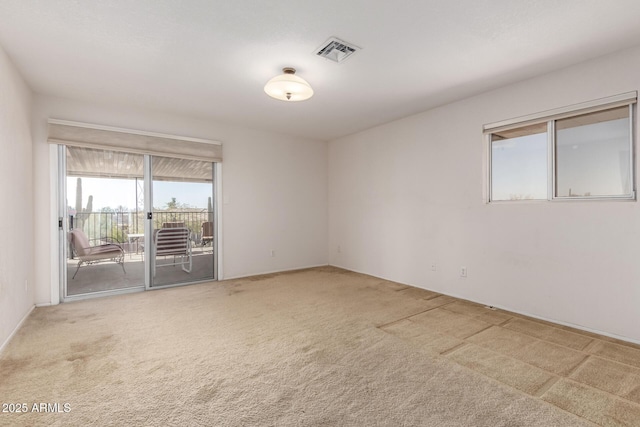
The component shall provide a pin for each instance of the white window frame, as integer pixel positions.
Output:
(626, 99)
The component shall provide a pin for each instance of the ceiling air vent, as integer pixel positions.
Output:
(336, 50)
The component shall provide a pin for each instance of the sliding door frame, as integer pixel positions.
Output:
(148, 222)
(62, 223)
(59, 260)
(149, 231)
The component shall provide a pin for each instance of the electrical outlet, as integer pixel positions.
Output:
(273, 253)
(26, 285)
(434, 266)
(339, 249)
(463, 271)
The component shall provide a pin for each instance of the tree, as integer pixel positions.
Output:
(117, 234)
(173, 204)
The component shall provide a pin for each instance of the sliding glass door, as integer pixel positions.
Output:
(104, 221)
(182, 221)
(132, 221)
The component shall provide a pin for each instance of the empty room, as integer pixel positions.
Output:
(355, 213)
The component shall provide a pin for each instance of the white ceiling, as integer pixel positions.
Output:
(211, 58)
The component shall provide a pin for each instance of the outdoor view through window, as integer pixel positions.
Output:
(106, 207)
(519, 163)
(591, 158)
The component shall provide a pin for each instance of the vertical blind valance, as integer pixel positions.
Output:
(132, 141)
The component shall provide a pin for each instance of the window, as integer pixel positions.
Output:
(584, 152)
(519, 163)
(593, 154)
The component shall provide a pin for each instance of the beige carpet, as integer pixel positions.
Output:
(311, 348)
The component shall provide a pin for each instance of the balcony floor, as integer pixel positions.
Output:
(109, 276)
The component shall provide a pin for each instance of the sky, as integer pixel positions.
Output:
(519, 168)
(109, 192)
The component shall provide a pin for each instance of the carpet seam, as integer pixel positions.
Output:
(589, 347)
(453, 349)
(518, 390)
(477, 332)
(578, 366)
(505, 322)
(546, 386)
(547, 340)
(554, 377)
(407, 317)
(599, 389)
(613, 396)
(606, 359)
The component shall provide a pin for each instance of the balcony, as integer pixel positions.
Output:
(126, 228)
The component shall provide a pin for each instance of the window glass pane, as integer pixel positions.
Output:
(519, 164)
(593, 154)
(183, 221)
(105, 207)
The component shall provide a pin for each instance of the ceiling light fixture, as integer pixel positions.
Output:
(288, 86)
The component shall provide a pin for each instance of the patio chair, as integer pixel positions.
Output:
(207, 233)
(173, 224)
(88, 254)
(174, 242)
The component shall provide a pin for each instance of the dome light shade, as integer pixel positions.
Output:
(288, 87)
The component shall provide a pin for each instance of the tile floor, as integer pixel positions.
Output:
(592, 376)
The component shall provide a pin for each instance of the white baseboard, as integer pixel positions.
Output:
(571, 325)
(15, 330)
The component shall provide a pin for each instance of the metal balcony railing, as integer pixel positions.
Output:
(115, 227)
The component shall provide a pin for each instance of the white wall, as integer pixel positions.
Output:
(274, 189)
(16, 189)
(409, 193)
